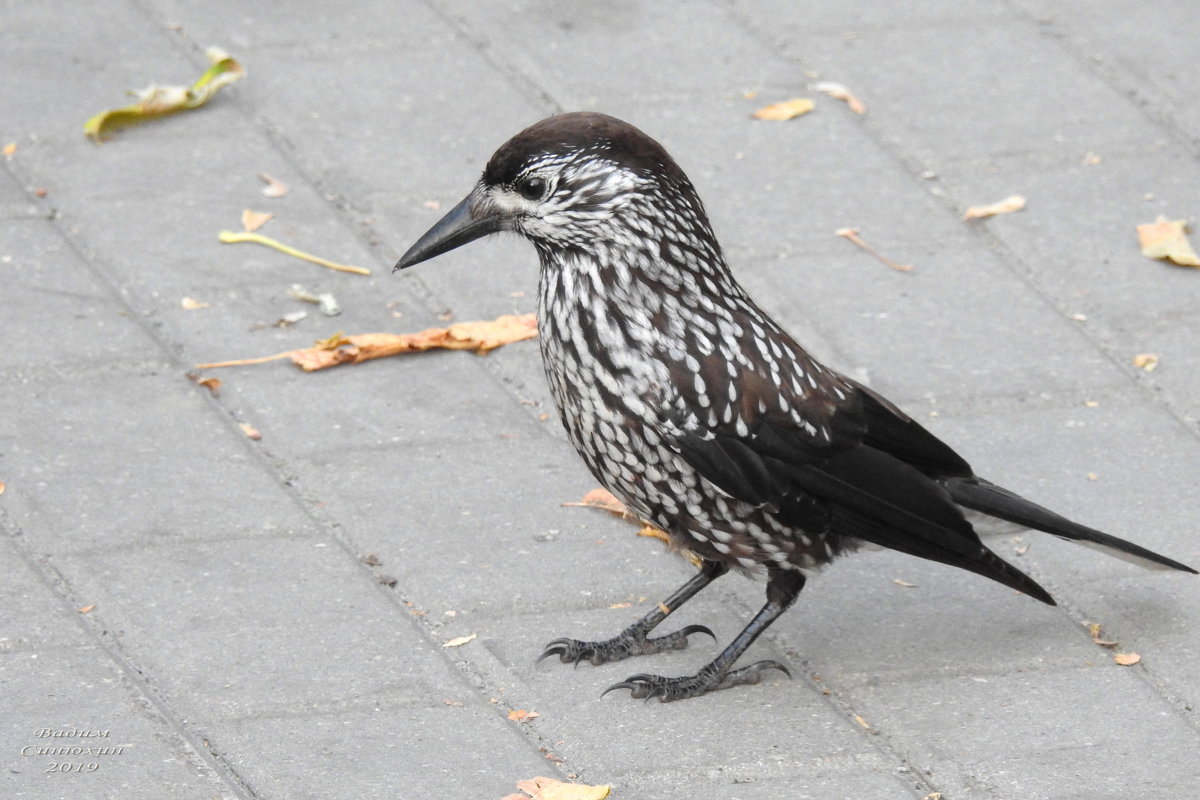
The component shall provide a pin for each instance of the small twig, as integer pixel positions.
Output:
(234, 237)
(241, 362)
(852, 235)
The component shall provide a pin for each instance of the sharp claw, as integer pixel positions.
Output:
(765, 665)
(690, 629)
(621, 685)
(551, 651)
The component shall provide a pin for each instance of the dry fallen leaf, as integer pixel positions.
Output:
(603, 499)
(787, 109)
(250, 431)
(1146, 361)
(1006, 206)
(904, 583)
(852, 235)
(212, 384)
(459, 641)
(541, 788)
(191, 304)
(3, 486)
(274, 188)
(839, 92)
(863, 722)
(253, 220)
(480, 337)
(87, 609)
(9, 151)
(1167, 239)
(1097, 636)
(1126, 659)
(521, 715)
(157, 101)
(233, 237)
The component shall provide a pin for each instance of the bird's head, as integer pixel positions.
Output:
(576, 181)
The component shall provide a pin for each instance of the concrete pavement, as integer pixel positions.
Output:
(239, 643)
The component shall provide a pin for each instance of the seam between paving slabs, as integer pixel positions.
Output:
(95, 630)
(1018, 266)
(1145, 102)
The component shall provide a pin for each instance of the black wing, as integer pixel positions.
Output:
(874, 469)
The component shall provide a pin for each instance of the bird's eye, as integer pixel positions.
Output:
(532, 188)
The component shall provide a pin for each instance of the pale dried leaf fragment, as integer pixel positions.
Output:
(603, 499)
(653, 532)
(839, 92)
(459, 641)
(785, 109)
(1146, 361)
(212, 384)
(9, 151)
(3, 486)
(521, 715)
(1008, 205)
(191, 304)
(274, 188)
(253, 220)
(234, 237)
(87, 609)
(1167, 240)
(541, 788)
(157, 101)
(325, 301)
(1126, 659)
(250, 431)
(904, 583)
(1098, 636)
(852, 235)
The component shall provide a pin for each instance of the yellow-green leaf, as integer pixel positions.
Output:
(157, 101)
(541, 788)
(1167, 239)
(234, 237)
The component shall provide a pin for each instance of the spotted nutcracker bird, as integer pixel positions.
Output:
(699, 412)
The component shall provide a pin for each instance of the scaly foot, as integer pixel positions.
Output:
(644, 686)
(632, 641)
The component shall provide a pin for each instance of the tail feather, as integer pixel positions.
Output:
(988, 498)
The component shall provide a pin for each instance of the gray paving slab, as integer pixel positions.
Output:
(268, 615)
(74, 721)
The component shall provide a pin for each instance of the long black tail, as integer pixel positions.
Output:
(980, 495)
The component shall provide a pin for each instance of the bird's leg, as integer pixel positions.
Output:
(782, 589)
(634, 640)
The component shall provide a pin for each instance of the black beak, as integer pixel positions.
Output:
(466, 222)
